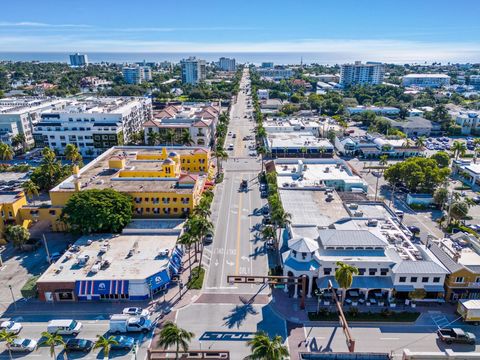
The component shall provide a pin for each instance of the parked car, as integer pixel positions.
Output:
(208, 239)
(79, 345)
(11, 327)
(123, 343)
(22, 345)
(265, 210)
(476, 199)
(456, 335)
(135, 311)
(264, 194)
(414, 229)
(64, 327)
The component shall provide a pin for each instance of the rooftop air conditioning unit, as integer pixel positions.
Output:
(372, 222)
(353, 206)
(358, 213)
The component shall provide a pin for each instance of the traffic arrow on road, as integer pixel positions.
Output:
(246, 258)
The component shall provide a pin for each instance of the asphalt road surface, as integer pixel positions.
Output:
(235, 250)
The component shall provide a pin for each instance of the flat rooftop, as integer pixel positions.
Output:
(310, 208)
(7, 197)
(95, 105)
(312, 173)
(466, 247)
(296, 140)
(26, 104)
(144, 261)
(98, 175)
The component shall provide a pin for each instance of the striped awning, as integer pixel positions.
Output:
(101, 287)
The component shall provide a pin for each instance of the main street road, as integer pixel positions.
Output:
(235, 250)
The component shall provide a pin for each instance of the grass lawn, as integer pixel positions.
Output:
(196, 281)
(386, 316)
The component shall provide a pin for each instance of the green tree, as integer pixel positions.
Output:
(440, 196)
(9, 338)
(220, 155)
(52, 340)
(264, 348)
(93, 211)
(30, 189)
(17, 235)
(153, 138)
(459, 210)
(186, 138)
(50, 172)
(420, 142)
(6, 152)
(442, 158)
(458, 149)
(344, 276)
(72, 154)
(105, 343)
(172, 335)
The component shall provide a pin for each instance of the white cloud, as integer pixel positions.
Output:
(32, 24)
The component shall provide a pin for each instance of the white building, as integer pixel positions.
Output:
(469, 121)
(78, 59)
(426, 80)
(227, 64)
(137, 74)
(193, 70)
(368, 236)
(310, 125)
(275, 73)
(474, 80)
(379, 110)
(19, 115)
(358, 73)
(297, 144)
(93, 124)
(262, 94)
(199, 120)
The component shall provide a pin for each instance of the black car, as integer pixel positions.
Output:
(414, 229)
(264, 194)
(79, 345)
(265, 210)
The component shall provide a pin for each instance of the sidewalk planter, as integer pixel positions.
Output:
(413, 305)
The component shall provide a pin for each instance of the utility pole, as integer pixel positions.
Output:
(46, 249)
(13, 297)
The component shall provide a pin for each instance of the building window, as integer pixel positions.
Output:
(304, 256)
(156, 210)
(294, 253)
(425, 279)
(138, 200)
(372, 272)
(477, 280)
(361, 271)
(436, 279)
(52, 212)
(413, 279)
(402, 279)
(327, 271)
(383, 272)
(459, 279)
(10, 214)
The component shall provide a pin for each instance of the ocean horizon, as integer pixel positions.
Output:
(279, 58)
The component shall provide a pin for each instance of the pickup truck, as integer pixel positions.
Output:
(456, 335)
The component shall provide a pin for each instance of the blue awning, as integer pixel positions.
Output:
(406, 288)
(434, 288)
(301, 265)
(101, 287)
(359, 282)
(158, 280)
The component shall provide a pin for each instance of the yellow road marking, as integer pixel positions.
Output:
(239, 219)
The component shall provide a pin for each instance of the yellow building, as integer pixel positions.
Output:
(461, 256)
(161, 182)
(10, 205)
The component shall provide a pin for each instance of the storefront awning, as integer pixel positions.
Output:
(101, 287)
(434, 288)
(359, 282)
(158, 280)
(406, 288)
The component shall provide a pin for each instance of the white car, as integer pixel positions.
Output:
(252, 153)
(11, 327)
(136, 311)
(22, 345)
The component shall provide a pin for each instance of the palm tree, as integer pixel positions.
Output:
(458, 149)
(52, 340)
(172, 335)
(202, 210)
(9, 338)
(407, 143)
(6, 152)
(186, 138)
(72, 154)
(264, 348)
(281, 219)
(344, 276)
(199, 228)
(220, 155)
(420, 142)
(105, 343)
(169, 136)
(268, 232)
(19, 139)
(30, 189)
(153, 138)
(383, 160)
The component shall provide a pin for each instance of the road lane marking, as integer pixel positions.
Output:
(239, 223)
(391, 338)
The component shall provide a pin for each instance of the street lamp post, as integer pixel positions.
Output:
(319, 294)
(13, 297)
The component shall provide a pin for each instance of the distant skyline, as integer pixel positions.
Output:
(378, 30)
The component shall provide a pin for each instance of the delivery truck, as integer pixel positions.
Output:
(469, 310)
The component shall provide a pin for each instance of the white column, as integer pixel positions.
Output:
(390, 293)
(310, 285)
(286, 286)
(366, 294)
(295, 294)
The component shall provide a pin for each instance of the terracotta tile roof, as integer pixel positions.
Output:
(202, 123)
(150, 123)
(188, 178)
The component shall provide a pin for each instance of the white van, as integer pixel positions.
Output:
(64, 327)
(399, 213)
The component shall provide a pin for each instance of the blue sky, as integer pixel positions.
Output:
(390, 29)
